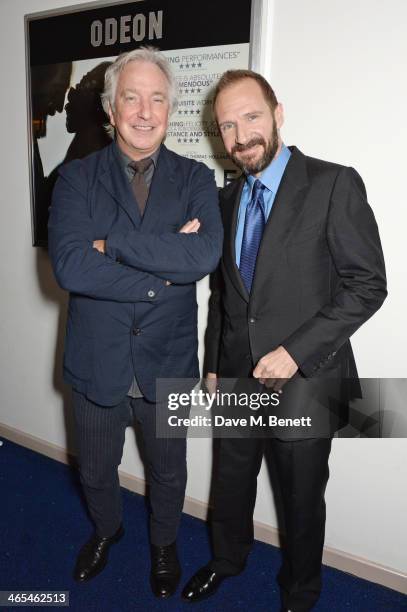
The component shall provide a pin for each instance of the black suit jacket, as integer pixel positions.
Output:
(319, 275)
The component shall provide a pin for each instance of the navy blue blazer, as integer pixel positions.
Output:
(123, 318)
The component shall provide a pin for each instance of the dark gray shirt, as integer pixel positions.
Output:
(148, 174)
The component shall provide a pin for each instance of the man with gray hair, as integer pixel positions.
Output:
(132, 228)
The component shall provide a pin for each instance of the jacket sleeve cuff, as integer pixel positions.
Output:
(308, 366)
(112, 246)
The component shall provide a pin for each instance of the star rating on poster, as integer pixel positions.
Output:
(188, 140)
(189, 112)
(190, 65)
(192, 90)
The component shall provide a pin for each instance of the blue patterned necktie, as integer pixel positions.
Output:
(254, 223)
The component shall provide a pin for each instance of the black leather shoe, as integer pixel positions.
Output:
(165, 570)
(202, 584)
(93, 555)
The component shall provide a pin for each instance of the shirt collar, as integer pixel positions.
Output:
(271, 176)
(127, 160)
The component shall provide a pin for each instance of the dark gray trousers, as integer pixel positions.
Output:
(100, 434)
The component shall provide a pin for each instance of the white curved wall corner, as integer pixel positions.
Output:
(261, 36)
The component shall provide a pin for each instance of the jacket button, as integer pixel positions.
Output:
(136, 331)
(151, 293)
(252, 320)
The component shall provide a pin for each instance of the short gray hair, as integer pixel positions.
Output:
(143, 54)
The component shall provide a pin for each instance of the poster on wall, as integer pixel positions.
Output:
(68, 51)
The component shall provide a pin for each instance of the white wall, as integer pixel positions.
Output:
(338, 67)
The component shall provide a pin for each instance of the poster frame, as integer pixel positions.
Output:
(258, 11)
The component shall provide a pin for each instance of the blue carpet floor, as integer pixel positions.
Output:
(43, 523)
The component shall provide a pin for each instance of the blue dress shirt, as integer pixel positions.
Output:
(271, 178)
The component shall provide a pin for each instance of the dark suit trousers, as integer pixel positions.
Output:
(301, 470)
(100, 434)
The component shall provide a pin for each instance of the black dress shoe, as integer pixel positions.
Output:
(202, 584)
(165, 570)
(93, 555)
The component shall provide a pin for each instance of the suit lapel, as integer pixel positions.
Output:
(286, 206)
(230, 209)
(116, 183)
(164, 189)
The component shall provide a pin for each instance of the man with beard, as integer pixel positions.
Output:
(302, 270)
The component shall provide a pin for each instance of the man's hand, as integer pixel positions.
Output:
(99, 245)
(190, 227)
(275, 368)
(211, 382)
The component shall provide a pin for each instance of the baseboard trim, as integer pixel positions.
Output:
(36, 444)
(343, 561)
